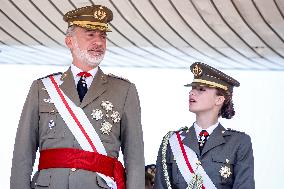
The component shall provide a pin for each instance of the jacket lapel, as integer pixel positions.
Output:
(190, 140)
(97, 88)
(68, 87)
(215, 139)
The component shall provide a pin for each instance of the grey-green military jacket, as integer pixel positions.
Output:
(35, 131)
(224, 148)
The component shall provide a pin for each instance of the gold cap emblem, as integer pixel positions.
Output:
(197, 71)
(100, 14)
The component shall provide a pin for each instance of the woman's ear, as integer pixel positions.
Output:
(220, 100)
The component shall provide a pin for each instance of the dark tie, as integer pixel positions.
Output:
(82, 85)
(202, 138)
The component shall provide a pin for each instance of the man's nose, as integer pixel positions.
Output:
(97, 44)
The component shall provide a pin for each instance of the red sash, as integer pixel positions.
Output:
(80, 159)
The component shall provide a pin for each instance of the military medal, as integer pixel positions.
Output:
(106, 127)
(97, 114)
(108, 115)
(225, 171)
(202, 138)
(115, 116)
(107, 105)
(196, 182)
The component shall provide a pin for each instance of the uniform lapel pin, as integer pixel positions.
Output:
(51, 124)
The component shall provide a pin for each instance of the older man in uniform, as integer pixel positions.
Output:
(80, 119)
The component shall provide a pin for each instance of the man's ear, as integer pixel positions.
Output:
(220, 100)
(69, 42)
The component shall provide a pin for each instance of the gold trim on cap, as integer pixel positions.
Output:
(214, 84)
(89, 24)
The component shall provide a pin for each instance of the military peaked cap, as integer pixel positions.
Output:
(90, 17)
(205, 75)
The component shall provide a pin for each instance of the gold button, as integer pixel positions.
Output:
(52, 111)
(73, 169)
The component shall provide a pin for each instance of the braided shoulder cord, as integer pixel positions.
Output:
(164, 154)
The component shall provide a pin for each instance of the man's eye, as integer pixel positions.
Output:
(103, 36)
(90, 34)
(202, 89)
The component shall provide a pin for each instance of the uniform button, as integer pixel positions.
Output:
(73, 169)
(52, 111)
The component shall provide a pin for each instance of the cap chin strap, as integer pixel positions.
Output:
(211, 83)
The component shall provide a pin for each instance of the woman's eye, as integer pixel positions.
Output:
(202, 89)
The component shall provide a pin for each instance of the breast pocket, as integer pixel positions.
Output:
(50, 124)
(224, 169)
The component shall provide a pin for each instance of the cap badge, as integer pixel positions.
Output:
(197, 71)
(100, 14)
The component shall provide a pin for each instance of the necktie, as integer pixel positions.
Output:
(82, 85)
(202, 138)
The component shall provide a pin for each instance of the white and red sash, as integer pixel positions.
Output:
(187, 162)
(77, 121)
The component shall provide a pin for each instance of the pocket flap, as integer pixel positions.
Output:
(44, 178)
(222, 159)
(47, 108)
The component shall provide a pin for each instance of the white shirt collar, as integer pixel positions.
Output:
(210, 129)
(75, 70)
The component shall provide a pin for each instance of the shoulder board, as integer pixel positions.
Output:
(183, 129)
(58, 73)
(232, 130)
(114, 76)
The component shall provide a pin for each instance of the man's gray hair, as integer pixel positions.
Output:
(70, 31)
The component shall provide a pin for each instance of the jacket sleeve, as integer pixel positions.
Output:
(244, 168)
(132, 144)
(159, 177)
(26, 142)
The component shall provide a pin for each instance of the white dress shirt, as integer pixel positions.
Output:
(210, 129)
(75, 70)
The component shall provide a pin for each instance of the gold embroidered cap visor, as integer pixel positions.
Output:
(90, 17)
(205, 75)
